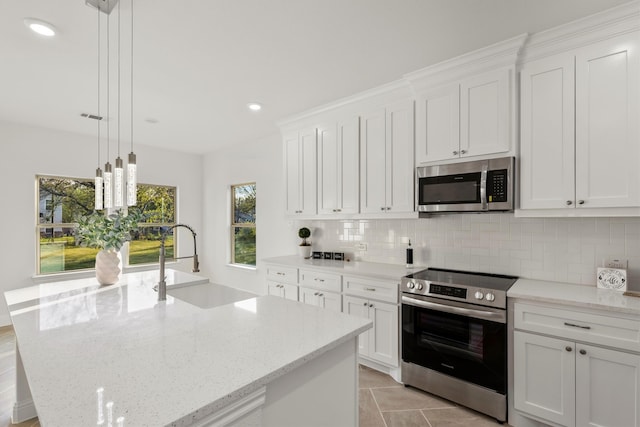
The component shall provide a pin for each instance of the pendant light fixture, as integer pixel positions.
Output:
(132, 173)
(110, 185)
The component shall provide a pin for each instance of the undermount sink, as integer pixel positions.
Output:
(209, 295)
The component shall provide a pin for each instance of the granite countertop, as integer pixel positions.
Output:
(582, 296)
(356, 268)
(159, 363)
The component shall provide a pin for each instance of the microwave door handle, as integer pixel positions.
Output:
(483, 186)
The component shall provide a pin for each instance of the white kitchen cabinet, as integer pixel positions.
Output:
(381, 342)
(300, 172)
(580, 129)
(438, 124)
(387, 159)
(321, 289)
(282, 281)
(323, 299)
(283, 290)
(338, 167)
(563, 373)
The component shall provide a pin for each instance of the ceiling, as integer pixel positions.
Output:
(197, 63)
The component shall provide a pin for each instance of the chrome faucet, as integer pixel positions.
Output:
(162, 284)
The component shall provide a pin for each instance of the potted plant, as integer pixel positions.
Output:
(107, 233)
(305, 247)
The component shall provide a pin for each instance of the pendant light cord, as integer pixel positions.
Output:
(99, 118)
(108, 90)
(132, 76)
(119, 79)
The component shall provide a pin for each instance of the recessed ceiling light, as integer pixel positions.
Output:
(254, 106)
(40, 27)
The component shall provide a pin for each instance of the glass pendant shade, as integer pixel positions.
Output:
(118, 184)
(108, 186)
(132, 180)
(98, 190)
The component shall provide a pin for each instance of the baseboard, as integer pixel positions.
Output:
(392, 371)
(23, 411)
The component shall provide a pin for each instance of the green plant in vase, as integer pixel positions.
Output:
(305, 247)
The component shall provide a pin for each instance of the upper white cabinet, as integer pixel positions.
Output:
(579, 124)
(465, 107)
(595, 91)
(300, 172)
(386, 159)
(338, 167)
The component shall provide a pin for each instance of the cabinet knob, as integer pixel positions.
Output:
(463, 151)
(370, 305)
(569, 202)
(581, 202)
(455, 153)
(583, 351)
(388, 208)
(365, 304)
(382, 208)
(320, 294)
(568, 348)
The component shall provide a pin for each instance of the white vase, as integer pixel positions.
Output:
(305, 251)
(107, 267)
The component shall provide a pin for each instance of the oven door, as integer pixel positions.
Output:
(461, 340)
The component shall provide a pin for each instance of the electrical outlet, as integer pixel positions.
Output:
(616, 263)
(361, 247)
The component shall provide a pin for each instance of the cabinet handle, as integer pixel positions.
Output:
(280, 274)
(370, 305)
(370, 289)
(365, 304)
(338, 210)
(573, 325)
(569, 202)
(455, 153)
(320, 294)
(583, 351)
(318, 280)
(568, 348)
(463, 151)
(382, 208)
(581, 202)
(388, 208)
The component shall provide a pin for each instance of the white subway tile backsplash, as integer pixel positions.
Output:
(561, 249)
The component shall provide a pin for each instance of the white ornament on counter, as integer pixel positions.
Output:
(612, 278)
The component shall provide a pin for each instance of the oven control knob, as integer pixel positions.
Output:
(490, 297)
(419, 286)
(479, 295)
(411, 285)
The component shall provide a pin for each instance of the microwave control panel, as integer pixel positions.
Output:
(497, 186)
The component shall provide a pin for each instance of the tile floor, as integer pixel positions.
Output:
(383, 402)
(386, 403)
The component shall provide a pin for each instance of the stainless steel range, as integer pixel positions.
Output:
(454, 337)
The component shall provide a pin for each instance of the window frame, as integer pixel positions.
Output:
(234, 225)
(126, 249)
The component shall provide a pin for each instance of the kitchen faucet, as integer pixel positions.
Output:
(162, 284)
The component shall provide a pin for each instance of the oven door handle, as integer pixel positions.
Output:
(493, 316)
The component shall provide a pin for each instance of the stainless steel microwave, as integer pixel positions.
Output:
(476, 186)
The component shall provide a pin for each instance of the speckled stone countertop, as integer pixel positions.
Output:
(356, 268)
(159, 363)
(575, 295)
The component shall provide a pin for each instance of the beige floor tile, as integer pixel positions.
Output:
(370, 378)
(390, 399)
(368, 411)
(459, 416)
(405, 419)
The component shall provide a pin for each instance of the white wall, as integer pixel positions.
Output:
(27, 151)
(556, 249)
(260, 162)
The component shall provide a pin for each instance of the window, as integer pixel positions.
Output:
(243, 224)
(61, 200)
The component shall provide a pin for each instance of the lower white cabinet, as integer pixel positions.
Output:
(283, 290)
(329, 300)
(381, 342)
(569, 382)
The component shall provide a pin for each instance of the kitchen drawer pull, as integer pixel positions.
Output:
(280, 274)
(318, 280)
(573, 325)
(583, 351)
(370, 289)
(365, 304)
(568, 348)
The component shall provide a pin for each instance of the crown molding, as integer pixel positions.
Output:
(610, 23)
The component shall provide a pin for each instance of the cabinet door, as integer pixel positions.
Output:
(292, 174)
(308, 296)
(373, 162)
(328, 169)
(308, 153)
(400, 157)
(485, 112)
(275, 289)
(383, 344)
(544, 377)
(358, 307)
(547, 138)
(607, 123)
(330, 301)
(290, 291)
(348, 164)
(607, 387)
(438, 124)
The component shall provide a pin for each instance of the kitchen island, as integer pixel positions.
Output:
(91, 352)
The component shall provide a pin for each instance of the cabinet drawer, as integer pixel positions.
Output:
(587, 327)
(320, 280)
(382, 290)
(281, 274)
